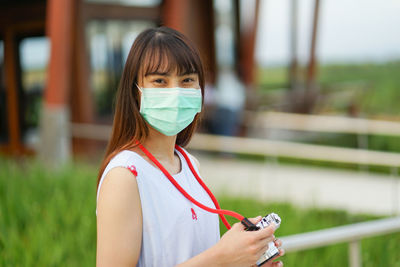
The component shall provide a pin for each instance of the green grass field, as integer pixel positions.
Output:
(373, 88)
(47, 218)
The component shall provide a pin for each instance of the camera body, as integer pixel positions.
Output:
(265, 221)
(272, 250)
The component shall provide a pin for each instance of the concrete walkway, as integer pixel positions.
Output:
(356, 192)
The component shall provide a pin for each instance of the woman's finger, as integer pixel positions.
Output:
(266, 233)
(277, 264)
(278, 243)
(255, 220)
(281, 252)
(237, 226)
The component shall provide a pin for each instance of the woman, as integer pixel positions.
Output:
(142, 219)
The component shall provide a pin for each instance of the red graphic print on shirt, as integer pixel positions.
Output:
(194, 215)
(132, 169)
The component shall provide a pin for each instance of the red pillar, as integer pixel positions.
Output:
(195, 19)
(10, 61)
(247, 45)
(174, 12)
(59, 29)
(55, 138)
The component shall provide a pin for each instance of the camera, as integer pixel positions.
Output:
(272, 250)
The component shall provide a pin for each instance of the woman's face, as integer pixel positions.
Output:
(169, 80)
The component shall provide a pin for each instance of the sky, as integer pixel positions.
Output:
(349, 31)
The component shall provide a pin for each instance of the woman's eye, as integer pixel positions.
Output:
(188, 80)
(159, 81)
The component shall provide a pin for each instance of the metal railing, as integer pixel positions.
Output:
(91, 131)
(264, 147)
(320, 123)
(352, 234)
(360, 127)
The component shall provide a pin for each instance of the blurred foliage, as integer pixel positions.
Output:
(47, 218)
(373, 88)
(383, 80)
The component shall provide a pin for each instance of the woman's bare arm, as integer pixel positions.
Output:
(119, 220)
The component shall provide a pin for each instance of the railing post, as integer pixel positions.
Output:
(396, 189)
(362, 142)
(354, 253)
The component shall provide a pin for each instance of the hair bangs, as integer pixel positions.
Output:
(167, 55)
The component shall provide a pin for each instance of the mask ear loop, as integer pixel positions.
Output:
(141, 94)
(138, 87)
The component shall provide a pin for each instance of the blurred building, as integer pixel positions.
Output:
(61, 60)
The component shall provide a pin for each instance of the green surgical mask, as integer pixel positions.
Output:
(169, 110)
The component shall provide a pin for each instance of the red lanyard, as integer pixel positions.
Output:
(172, 180)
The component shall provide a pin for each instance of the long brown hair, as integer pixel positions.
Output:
(154, 50)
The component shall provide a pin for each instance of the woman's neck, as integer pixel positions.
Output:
(160, 146)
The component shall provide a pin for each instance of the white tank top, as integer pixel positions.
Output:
(174, 229)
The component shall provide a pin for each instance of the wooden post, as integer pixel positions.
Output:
(55, 138)
(195, 19)
(310, 95)
(174, 12)
(248, 43)
(81, 98)
(293, 45)
(10, 61)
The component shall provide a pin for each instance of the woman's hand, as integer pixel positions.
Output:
(272, 263)
(239, 247)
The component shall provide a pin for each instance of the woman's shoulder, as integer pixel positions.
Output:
(117, 169)
(124, 157)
